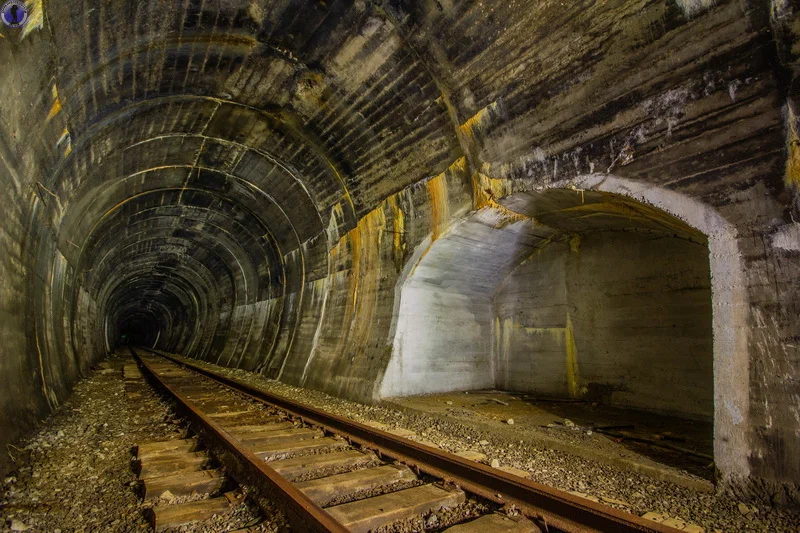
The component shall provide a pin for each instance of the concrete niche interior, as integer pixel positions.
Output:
(583, 295)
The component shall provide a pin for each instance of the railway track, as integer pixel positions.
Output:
(334, 474)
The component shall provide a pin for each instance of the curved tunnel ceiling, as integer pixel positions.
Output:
(215, 153)
(576, 212)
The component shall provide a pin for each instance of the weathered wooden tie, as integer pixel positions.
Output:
(496, 523)
(326, 489)
(305, 464)
(245, 430)
(131, 371)
(218, 406)
(371, 513)
(134, 381)
(152, 449)
(184, 484)
(240, 418)
(250, 420)
(168, 516)
(281, 436)
(169, 463)
(284, 450)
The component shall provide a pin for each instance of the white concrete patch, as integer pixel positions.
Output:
(787, 237)
(443, 337)
(692, 7)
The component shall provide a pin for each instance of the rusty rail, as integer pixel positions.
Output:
(304, 514)
(558, 509)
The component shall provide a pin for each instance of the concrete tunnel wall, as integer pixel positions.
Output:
(618, 318)
(256, 178)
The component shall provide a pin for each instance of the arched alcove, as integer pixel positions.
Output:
(614, 306)
(598, 289)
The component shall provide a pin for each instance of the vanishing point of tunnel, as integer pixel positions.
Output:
(592, 206)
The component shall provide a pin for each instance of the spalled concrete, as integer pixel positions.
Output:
(324, 192)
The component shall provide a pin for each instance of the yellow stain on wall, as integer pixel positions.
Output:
(398, 231)
(488, 190)
(66, 140)
(363, 280)
(792, 176)
(575, 243)
(478, 120)
(370, 235)
(573, 375)
(485, 192)
(35, 17)
(440, 205)
(458, 166)
(55, 109)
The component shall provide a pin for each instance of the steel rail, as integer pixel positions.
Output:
(556, 508)
(303, 513)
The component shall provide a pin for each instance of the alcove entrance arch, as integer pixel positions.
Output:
(594, 288)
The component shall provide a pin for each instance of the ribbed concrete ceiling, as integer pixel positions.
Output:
(216, 144)
(575, 212)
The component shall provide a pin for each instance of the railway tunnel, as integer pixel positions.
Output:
(582, 204)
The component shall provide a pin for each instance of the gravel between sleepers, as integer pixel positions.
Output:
(74, 474)
(519, 447)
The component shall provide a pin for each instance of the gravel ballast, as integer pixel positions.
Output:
(531, 450)
(75, 474)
